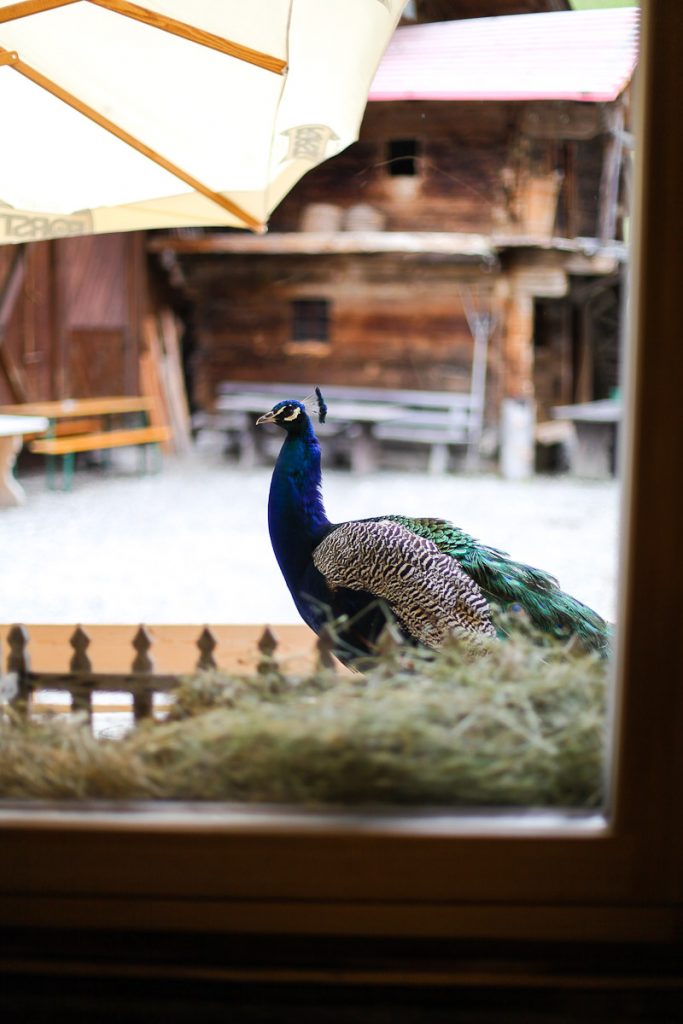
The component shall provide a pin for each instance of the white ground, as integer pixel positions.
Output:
(190, 544)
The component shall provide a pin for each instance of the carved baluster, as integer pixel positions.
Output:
(19, 663)
(143, 665)
(80, 641)
(207, 645)
(267, 646)
(325, 648)
(81, 696)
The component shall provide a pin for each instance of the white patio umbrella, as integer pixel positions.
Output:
(118, 116)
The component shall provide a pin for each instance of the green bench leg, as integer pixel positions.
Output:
(150, 460)
(69, 463)
(155, 458)
(51, 472)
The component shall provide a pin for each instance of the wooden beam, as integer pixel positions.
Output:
(14, 281)
(428, 243)
(560, 119)
(314, 242)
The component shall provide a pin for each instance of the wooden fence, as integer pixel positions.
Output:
(81, 681)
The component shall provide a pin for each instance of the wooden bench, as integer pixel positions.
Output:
(91, 424)
(437, 419)
(71, 427)
(68, 446)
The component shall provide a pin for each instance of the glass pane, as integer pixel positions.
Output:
(465, 326)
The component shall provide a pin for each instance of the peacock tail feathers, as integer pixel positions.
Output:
(508, 584)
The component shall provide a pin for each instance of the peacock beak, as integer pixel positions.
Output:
(268, 417)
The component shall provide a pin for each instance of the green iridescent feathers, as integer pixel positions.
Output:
(508, 584)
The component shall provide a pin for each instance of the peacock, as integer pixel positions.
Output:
(426, 575)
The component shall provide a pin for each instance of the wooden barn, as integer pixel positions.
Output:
(488, 193)
(485, 204)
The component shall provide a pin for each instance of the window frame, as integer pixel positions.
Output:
(391, 162)
(525, 876)
(304, 311)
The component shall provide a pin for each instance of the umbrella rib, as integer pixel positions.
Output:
(12, 60)
(178, 28)
(24, 9)
(194, 34)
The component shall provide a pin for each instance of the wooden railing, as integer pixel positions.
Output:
(19, 684)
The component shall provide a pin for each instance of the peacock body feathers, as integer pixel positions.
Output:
(428, 575)
(429, 593)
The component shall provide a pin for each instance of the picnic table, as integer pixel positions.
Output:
(89, 424)
(13, 429)
(596, 424)
(362, 420)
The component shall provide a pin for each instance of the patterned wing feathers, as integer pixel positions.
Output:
(427, 590)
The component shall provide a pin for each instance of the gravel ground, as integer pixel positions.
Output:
(190, 544)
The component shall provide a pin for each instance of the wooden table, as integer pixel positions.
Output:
(73, 408)
(13, 429)
(593, 456)
(70, 410)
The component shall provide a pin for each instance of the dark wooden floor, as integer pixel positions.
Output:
(97, 977)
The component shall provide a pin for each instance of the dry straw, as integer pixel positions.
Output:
(523, 725)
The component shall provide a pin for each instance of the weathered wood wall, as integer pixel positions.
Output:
(26, 334)
(382, 332)
(446, 10)
(71, 325)
(480, 167)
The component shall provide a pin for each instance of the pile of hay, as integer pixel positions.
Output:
(522, 725)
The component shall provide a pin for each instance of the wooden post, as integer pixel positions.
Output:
(525, 283)
(207, 645)
(267, 646)
(81, 698)
(519, 344)
(611, 174)
(517, 422)
(142, 665)
(482, 324)
(516, 441)
(19, 663)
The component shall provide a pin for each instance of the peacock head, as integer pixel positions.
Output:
(293, 416)
(290, 415)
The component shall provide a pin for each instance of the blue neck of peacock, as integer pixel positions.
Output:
(296, 516)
